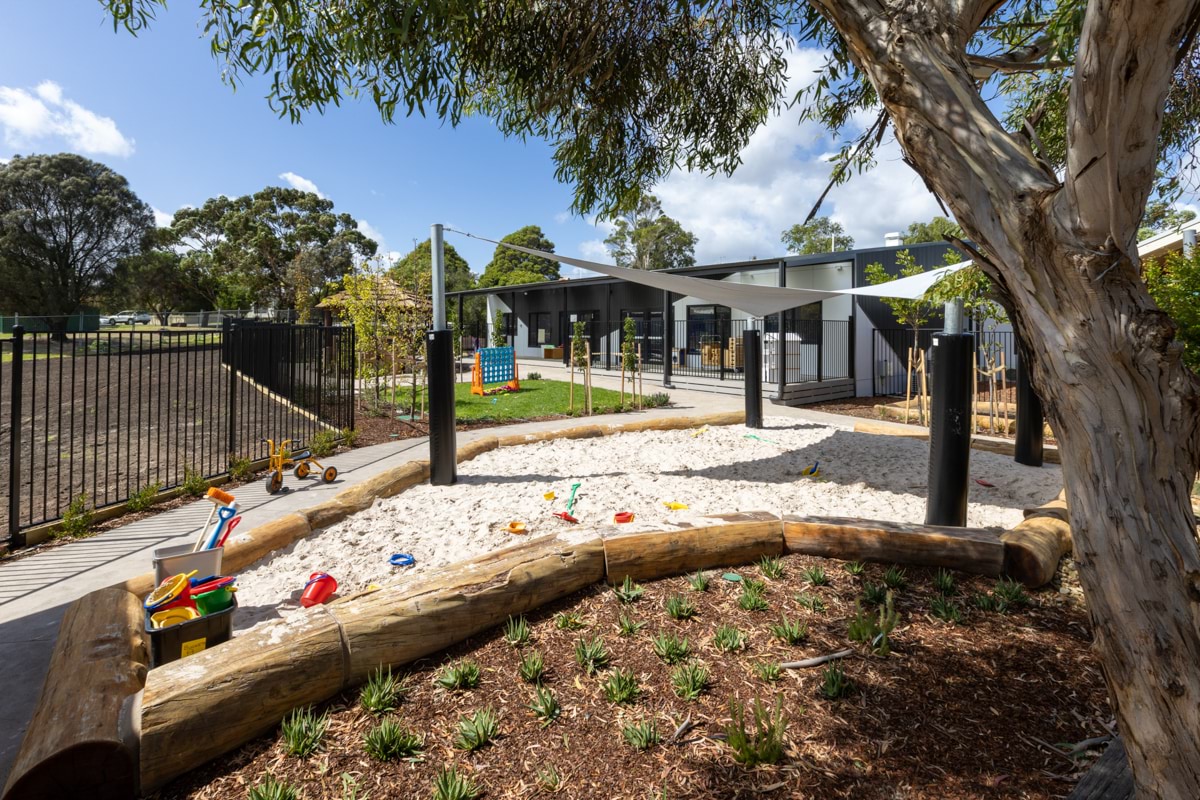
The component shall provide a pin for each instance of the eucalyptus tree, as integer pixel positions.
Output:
(1100, 97)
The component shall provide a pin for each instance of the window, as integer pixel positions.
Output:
(539, 328)
(706, 325)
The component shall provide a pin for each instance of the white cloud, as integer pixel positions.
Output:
(28, 119)
(161, 218)
(302, 183)
(594, 250)
(371, 232)
(784, 169)
(562, 217)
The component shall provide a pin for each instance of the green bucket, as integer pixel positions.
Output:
(214, 601)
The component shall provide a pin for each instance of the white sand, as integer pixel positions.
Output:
(721, 470)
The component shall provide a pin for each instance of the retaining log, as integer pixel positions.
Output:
(1034, 547)
(742, 539)
(398, 626)
(199, 707)
(484, 444)
(1053, 508)
(386, 484)
(76, 744)
(967, 549)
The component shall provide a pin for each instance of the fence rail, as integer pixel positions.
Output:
(890, 346)
(106, 413)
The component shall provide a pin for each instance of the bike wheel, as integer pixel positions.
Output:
(301, 470)
(274, 482)
(330, 474)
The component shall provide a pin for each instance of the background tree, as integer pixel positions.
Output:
(1162, 217)
(499, 335)
(65, 224)
(936, 230)
(419, 261)
(277, 247)
(1099, 97)
(909, 313)
(1174, 282)
(154, 279)
(646, 238)
(818, 235)
(510, 267)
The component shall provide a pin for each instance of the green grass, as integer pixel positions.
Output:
(536, 399)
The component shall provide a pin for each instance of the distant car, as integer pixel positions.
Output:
(106, 321)
(128, 318)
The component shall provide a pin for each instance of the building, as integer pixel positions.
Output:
(814, 352)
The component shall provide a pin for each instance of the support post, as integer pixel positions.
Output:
(439, 359)
(752, 353)
(668, 338)
(1030, 419)
(15, 537)
(950, 430)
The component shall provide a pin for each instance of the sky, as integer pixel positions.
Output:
(154, 109)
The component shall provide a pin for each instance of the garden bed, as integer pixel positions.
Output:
(954, 711)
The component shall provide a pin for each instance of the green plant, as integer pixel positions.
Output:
(769, 671)
(303, 731)
(640, 735)
(322, 443)
(460, 675)
(811, 602)
(240, 469)
(984, 602)
(499, 334)
(729, 638)
(545, 706)
(349, 436)
(194, 483)
(689, 680)
(698, 582)
(591, 654)
(855, 568)
(763, 743)
(628, 591)
(1009, 594)
(517, 632)
(568, 621)
(534, 376)
(945, 609)
(477, 730)
(271, 789)
(656, 400)
(834, 683)
(790, 631)
(670, 648)
(874, 593)
(388, 741)
(895, 578)
(350, 787)
(450, 785)
(771, 567)
(76, 520)
(752, 597)
(621, 687)
(531, 667)
(679, 608)
(548, 778)
(628, 626)
(816, 576)
(382, 692)
(943, 582)
(143, 498)
(869, 630)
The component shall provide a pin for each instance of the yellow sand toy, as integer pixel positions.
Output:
(303, 463)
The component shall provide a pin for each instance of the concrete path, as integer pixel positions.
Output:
(34, 591)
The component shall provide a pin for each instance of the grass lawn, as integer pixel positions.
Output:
(536, 399)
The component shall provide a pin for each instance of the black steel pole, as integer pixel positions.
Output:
(668, 338)
(16, 538)
(1030, 419)
(752, 353)
(439, 361)
(950, 429)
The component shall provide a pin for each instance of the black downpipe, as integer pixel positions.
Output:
(950, 429)
(752, 347)
(439, 355)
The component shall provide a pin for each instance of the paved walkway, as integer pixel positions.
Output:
(34, 591)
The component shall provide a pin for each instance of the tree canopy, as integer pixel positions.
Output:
(154, 279)
(936, 230)
(278, 246)
(646, 238)
(1162, 217)
(419, 262)
(818, 235)
(65, 224)
(510, 267)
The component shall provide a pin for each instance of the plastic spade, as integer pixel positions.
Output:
(571, 499)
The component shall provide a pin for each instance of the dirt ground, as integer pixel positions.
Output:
(986, 709)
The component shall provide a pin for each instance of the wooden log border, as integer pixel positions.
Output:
(145, 728)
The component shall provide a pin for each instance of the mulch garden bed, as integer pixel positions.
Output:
(978, 709)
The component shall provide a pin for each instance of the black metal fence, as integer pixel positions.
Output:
(105, 414)
(890, 348)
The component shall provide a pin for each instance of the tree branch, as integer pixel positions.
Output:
(1021, 59)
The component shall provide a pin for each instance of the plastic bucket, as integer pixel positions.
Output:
(320, 587)
(214, 601)
(172, 616)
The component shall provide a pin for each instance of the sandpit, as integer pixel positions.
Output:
(718, 470)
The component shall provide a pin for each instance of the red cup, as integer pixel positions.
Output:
(320, 587)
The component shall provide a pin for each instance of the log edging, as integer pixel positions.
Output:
(1050, 453)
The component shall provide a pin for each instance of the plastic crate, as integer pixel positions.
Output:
(179, 559)
(188, 638)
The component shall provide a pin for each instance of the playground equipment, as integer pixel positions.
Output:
(320, 587)
(303, 463)
(495, 365)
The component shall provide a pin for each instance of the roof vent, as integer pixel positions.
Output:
(893, 239)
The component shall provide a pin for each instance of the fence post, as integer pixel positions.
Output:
(16, 538)
(230, 348)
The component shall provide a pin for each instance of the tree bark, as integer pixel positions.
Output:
(1104, 357)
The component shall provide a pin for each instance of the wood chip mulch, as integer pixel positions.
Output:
(985, 709)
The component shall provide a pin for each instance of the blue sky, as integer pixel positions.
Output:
(155, 110)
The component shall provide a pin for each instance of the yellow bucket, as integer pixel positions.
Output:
(173, 616)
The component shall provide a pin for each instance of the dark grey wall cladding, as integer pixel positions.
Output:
(928, 255)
